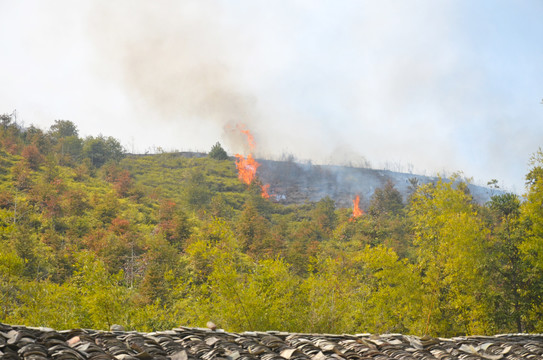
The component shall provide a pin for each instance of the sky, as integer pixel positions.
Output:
(422, 86)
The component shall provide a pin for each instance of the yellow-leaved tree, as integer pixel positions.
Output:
(451, 244)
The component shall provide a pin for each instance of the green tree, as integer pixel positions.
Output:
(217, 152)
(101, 149)
(11, 271)
(386, 200)
(160, 271)
(333, 295)
(451, 244)
(71, 147)
(325, 216)
(35, 136)
(512, 284)
(532, 214)
(47, 304)
(64, 135)
(253, 232)
(197, 191)
(532, 245)
(63, 129)
(103, 297)
(393, 301)
(264, 296)
(10, 134)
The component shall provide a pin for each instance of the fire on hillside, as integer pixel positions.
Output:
(247, 166)
(357, 212)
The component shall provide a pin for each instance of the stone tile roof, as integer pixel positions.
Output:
(18, 342)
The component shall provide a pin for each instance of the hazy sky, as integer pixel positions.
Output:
(426, 85)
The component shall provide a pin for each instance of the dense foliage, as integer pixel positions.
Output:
(91, 237)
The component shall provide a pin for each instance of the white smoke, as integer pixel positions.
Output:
(433, 84)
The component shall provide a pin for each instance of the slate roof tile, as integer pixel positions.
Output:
(26, 343)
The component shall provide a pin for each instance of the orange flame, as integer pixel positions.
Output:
(247, 166)
(250, 137)
(357, 212)
(265, 189)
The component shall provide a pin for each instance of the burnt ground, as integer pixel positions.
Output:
(293, 182)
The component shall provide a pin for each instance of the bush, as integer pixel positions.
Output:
(217, 152)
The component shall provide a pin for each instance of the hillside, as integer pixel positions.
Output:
(91, 236)
(291, 182)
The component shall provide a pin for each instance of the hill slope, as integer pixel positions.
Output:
(294, 182)
(90, 237)
(290, 182)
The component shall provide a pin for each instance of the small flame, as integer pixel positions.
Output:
(250, 137)
(265, 189)
(357, 212)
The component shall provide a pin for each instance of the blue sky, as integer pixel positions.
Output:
(422, 85)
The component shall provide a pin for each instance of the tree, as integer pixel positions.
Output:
(173, 223)
(263, 296)
(11, 269)
(386, 222)
(63, 129)
(393, 299)
(511, 283)
(102, 295)
(32, 156)
(451, 244)
(386, 200)
(120, 178)
(197, 190)
(532, 214)
(5, 120)
(332, 296)
(71, 147)
(101, 149)
(217, 152)
(253, 232)
(532, 245)
(64, 135)
(35, 136)
(10, 133)
(160, 269)
(324, 216)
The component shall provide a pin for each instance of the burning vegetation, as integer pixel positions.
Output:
(357, 212)
(247, 166)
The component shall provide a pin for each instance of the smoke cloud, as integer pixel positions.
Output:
(305, 77)
(414, 85)
(180, 60)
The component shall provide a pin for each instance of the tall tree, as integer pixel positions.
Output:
(451, 242)
(508, 271)
(532, 246)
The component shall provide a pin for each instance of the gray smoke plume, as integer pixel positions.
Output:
(389, 82)
(178, 59)
(217, 64)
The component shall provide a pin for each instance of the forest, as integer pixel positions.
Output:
(92, 236)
